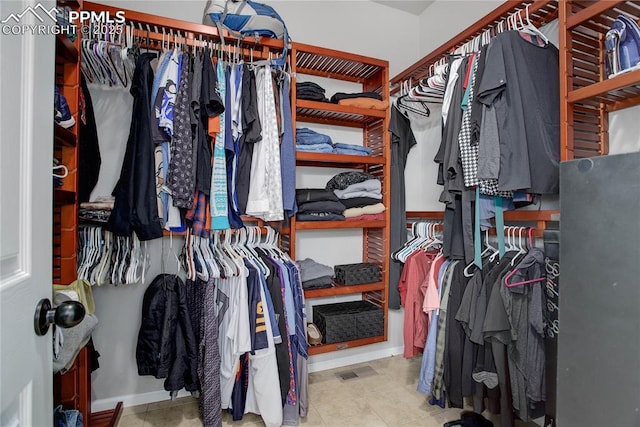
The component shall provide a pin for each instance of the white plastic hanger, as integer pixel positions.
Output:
(530, 28)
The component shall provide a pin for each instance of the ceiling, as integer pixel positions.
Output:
(415, 7)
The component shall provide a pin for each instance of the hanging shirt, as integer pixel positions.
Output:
(520, 80)
(230, 147)
(209, 105)
(180, 177)
(251, 134)
(402, 141)
(265, 190)
(219, 206)
(235, 332)
(287, 151)
(416, 323)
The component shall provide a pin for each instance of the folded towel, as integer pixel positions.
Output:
(366, 210)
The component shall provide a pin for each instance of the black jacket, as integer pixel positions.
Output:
(166, 343)
(136, 204)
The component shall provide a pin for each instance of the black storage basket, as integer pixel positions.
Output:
(356, 274)
(347, 321)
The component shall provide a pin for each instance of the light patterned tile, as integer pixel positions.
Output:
(367, 419)
(138, 409)
(397, 408)
(333, 411)
(132, 420)
(313, 418)
(170, 403)
(172, 416)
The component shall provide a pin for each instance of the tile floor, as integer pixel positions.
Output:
(384, 397)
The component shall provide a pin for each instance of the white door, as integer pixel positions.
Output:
(26, 129)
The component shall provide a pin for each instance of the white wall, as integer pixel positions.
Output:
(360, 27)
(444, 19)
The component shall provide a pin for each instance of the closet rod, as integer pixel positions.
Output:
(540, 12)
(175, 25)
(257, 52)
(247, 220)
(540, 218)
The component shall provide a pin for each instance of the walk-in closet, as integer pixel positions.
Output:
(323, 213)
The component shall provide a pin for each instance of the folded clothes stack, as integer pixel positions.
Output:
(315, 275)
(98, 210)
(369, 100)
(310, 91)
(312, 141)
(351, 149)
(360, 193)
(317, 204)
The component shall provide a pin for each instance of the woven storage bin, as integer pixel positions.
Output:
(347, 321)
(356, 274)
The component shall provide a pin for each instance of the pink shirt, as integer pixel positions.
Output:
(416, 322)
(431, 300)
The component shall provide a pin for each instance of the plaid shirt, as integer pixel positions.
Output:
(199, 215)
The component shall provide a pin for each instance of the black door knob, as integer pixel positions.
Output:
(66, 315)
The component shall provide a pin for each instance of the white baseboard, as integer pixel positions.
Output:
(133, 399)
(157, 396)
(339, 362)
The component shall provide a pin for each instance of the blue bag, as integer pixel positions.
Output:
(246, 18)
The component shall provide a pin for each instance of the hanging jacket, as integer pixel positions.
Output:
(136, 207)
(166, 343)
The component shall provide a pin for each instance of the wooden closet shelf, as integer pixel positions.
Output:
(65, 48)
(328, 225)
(325, 348)
(597, 10)
(336, 160)
(335, 114)
(64, 197)
(517, 215)
(339, 289)
(335, 64)
(615, 91)
(64, 136)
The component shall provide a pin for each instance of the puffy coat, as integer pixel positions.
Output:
(166, 343)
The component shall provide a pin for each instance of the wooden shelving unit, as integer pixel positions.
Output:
(339, 289)
(372, 74)
(332, 225)
(326, 348)
(337, 160)
(72, 389)
(587, 94)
